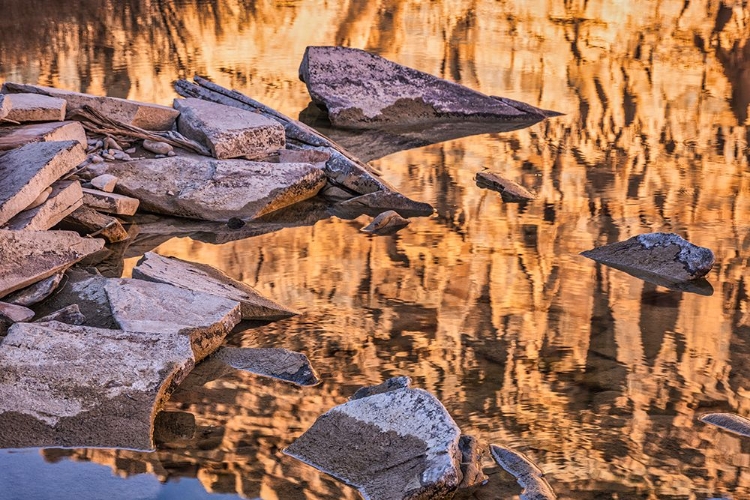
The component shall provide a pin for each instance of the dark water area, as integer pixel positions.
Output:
(596, 375)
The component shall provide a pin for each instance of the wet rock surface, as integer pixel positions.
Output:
(510, 191)
(528, 475)
(388, 222)
(282, 364)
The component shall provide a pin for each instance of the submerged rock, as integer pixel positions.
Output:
(528, 475)
(282, 364)
(363, 90)
(386, 223)
(399, 444)
(663, 254)
(510, 191)
(728, 421)
(472, 452)
(37, 292)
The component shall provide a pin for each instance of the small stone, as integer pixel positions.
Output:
(510, 191)
(108, 156)
(112, 144)
(130, 151)
(15, 313)
(171, 153)
(96, 159)
(282, 364)
(104, 182)
(386, 223)
(157, 147)
(70, 315)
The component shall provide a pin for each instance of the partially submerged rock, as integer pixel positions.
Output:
(15, 137)
(386, 223)
(64, 385)
(528, 475)
(200, 277)
(400, 444)
(282, 364)
(110, 203)
(382, 200)
(728, 421)
(663, 254)
(33, 108)
(510, 191)
(363, 90)
(64, 198)
(87, 221)
(37, 292)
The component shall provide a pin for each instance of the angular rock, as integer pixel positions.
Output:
(104, 183)
(197, 187)
(728, 421)
(204, 278)
(528, 475)
(139, 114)
(31, 256)
(382, 200)
(282, 364)
(471, 462)
(70, 314)
(393, 383)
(37, 292)
(64, 198)
(4, 107)
(143, 306)
(510, 191)
(393, 445)
(363, 90)
(227, 131)
(27, 171)
(87, 221)
(388, 222)
(40, 199)
(64, 385)
(15, 137)
(110, 202)
(15, 313)
(34, 108)
(663, 254)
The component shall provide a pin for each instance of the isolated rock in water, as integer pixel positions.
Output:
(64, 385)
(15, 137)
(139, 114)
(27, 171)
(204, 278)
(663, 254)
(205, 188)
(528, 475)
(34, 108)
(15, 313)
(37, 292)
(510, 192)
(393, 383)
(382, 200)
(728, 421)
(471, 462)
(31, 256)
(227, 131)
(64, 198)
(71, 315)
(363, 90)
(86, 220)
(277, 363)
(400, 444)
(143, 306)
(386, 223)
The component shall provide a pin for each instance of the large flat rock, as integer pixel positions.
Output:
(27, 171)
(363, 90)
(66, 385)
(399, 444)
(65, 198)
(227, 131)
(34, 108)
(204, 278)
(31, 256)
(198, 187)
(12, 137)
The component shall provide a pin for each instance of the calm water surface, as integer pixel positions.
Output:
(597, 376)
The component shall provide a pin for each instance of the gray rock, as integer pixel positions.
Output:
(15, 313)
(363, 90)
(227, 131)
(15, 137)
(87, 221)
(383, 200)
(662, 254)
(510, 191)
(386, 223)
(104, 183)
(70, 314)
(64, 198)
(728, 421)
(472, 453)
(27, 171)
(528, 475)
(31, 256)
(143, 306)
(203, 278)
(400, 444)
(139, 114)
(34, 108)
(157, 147)
(110, 202)
(197, 187)
(393, 383)
(37, 292)
(282, 364)
(64, 385)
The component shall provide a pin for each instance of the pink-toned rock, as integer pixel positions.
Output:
(15, 137)
(34, 108)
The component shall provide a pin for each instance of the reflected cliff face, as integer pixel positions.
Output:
(597, 376)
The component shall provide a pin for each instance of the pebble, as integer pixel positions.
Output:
(108, 156)
(112, 144)
(130, 151)
(96, 159)
(160, 156)
(171, 153)
(120, 155)
(156, 147)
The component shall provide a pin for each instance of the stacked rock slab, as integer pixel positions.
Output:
(33, 108)
(86, 220)
(15, 137)
(64, 199)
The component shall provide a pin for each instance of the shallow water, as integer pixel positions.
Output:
(597, 376)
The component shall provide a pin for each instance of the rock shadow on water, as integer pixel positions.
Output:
(700, 286)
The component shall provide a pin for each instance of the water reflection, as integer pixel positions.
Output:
(597, 376)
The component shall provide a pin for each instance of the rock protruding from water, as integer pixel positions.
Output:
(33, 108)
(528, 475)
(282, 364)
(363, 90)
(663, 254)
(510, 191)
(388, 222)
(227, 131)
(204, 278)
(392, 384)
(728, 421)
(15, 137)
(399, 444)
(472, 452)
(65, 385)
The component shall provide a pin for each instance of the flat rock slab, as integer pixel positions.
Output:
(66, 385)
(384, 200)
(86, 220)
(363, 90)
(529, 476)
(204, 278)
(140, 114)
(144, 306)
(27, 171)
(37, 292)
(282, 364)
(33, 108)
(110, 203)
(510, 191)
(17, 136)
(395, 445)
(663, 254)
(227, 131)
(31, 256)
(197, 187)
(15, 313)
(64, 199)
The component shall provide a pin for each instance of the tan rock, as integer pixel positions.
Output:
(34, 108)
(64, 198)
(87, 221)
(110, 202)
(15, 137)
(104, 183)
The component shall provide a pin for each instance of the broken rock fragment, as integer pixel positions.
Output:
(15, 313)
(104, 183)
(15, 137)
(37, 292)
(528, 475)
(510, 191)
(87, 221)
(110, 202)
(70, 314)
(282, 364)
(33, 108)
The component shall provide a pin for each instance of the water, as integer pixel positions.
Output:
(595, 375)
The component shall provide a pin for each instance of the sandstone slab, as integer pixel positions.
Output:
(510, 191)
(528, 475)
(15, 137)
(227, 131)
(400, 444)
(363, 90)
(27, 171)
(204, 278)
(197, 187)
(140, 114)
(37, 292)
(65, 385)
(34, 108)
(282, 364)
(64, 198)
(87, 221)
(31, 256)
(110, 202)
